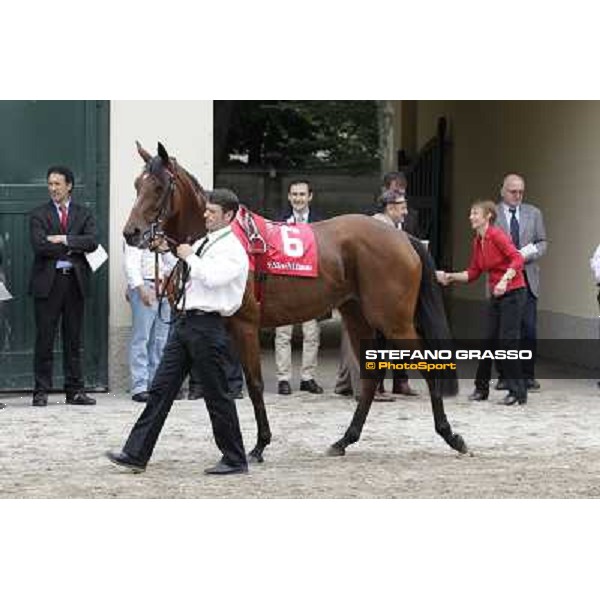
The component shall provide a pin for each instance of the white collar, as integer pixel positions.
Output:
(218, 232)
(508, 207)
(67, 204)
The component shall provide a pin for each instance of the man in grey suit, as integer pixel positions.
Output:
(525, 224)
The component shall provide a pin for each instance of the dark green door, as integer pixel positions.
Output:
(35, 135)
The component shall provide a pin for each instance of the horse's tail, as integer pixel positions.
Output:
(431, 320)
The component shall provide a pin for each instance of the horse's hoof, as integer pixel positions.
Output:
(335, 450)
(255, 457)
(459, 444)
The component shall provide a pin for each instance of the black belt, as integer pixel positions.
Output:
(196, 312)
(64, 270)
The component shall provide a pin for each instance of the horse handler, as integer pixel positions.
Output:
(199, 343)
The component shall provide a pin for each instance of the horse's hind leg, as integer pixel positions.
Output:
(246, 335)
(435, 385)
(402, 328)
(440, 421)
(357, 328)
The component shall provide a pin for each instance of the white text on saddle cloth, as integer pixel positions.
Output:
(290, 249)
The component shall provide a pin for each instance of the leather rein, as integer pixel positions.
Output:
(154, 236)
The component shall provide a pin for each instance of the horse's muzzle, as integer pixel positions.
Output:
(135, 238)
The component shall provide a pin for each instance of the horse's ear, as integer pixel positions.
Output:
(162, 152)
(146, 156)
(168, 163)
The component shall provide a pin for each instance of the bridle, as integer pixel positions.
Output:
(155, 233)
(154, 236)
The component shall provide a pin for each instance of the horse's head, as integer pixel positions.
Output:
(169, 205)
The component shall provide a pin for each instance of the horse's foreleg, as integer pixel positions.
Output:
(357, 328)
(248, 343)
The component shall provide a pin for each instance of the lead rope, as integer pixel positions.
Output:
(181, 280)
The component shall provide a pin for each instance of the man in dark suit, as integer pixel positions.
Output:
(300, 196)
(395, 181)
(61, 233)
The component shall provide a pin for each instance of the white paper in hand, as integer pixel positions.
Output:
(96, 258)
(4, 293)
(528, 251)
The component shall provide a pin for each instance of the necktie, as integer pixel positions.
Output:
(514, 227)
(63, 218)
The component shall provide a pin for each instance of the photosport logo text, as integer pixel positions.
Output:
(433, 360)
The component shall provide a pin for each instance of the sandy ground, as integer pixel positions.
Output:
(549, 448)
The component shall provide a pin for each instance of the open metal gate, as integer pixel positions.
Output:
(425, 176)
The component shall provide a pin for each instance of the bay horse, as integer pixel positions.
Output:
(378, 279)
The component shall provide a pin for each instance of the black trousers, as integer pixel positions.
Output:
(503, 331)
(66, 303)
(198, 345)
(529, 333)
(235, 374)
(528, 336)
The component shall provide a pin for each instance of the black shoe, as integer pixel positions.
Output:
(511, 399)
(311, 386)
(402, 388)
(533, 385)
(2, 405)
(383, 397)
(501, 385)
(122, 459)
(343, 391)
(284, 388)
(222, 468)
(81, 399)
(40, 399)
(479, 396)
(196, 392)
(141, 397)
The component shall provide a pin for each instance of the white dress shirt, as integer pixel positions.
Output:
(508, 213)
(61, 264)
(595, 265)
(528, 251)
(297, 217)
(140, 265)
(218, 276)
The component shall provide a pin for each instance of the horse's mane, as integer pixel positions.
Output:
(195, 182)
(156, 167)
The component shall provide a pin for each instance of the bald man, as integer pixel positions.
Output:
(525, 224)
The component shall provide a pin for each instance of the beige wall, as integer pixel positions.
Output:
(555, 146)
(186, 130)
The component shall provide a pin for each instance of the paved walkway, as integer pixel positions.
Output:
(548, 449)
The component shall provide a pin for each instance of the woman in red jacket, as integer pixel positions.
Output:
(494, 253)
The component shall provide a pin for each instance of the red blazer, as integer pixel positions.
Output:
(494, 253)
